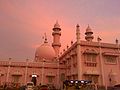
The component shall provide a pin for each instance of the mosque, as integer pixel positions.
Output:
(83, 60)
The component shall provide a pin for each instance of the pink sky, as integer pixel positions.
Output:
(24, 22)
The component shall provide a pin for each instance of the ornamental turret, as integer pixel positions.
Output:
(88, 33)
(78, 33)
(56, 38)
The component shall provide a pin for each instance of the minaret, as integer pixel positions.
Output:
(78, 50)
(56, 38)
(88, 34)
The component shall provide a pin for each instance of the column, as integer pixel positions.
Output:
(58, 74)
(79, 63)
(26, 71)
(78, 52)
(8, 71)
(71, 69)
(42, 80)
(101, 64)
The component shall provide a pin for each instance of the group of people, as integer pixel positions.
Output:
(10, 86)
(17, 86)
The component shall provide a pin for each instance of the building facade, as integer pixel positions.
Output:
(89, 60)
(83, 60)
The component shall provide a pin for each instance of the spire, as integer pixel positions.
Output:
(116, 41)
(88, 34)
(71, 42)
(88, 27)
(88, 30)
(99, 39)
(56, 25)
(45, 38)
(77, 26)
(78, 33)
(77, 30)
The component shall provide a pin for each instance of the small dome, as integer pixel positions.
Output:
(45, 51)
(88, 29)
(56, 25)
(88, 34)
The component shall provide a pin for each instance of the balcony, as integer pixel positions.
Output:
(90, 64)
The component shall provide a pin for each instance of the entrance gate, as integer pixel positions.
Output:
(34, 79)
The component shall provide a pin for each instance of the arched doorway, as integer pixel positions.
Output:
(34, 79)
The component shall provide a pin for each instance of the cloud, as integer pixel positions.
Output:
(24, 22)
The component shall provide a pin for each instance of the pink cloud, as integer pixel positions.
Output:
(24, 22)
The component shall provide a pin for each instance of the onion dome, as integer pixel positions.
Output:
(88, 33)
(88, 30)
(45, 51)
(56, 25)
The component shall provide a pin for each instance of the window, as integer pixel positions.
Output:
(110, 59)
(62, 76)
(50, 79)
(90, 60)
(16, 79)
(90, 57)
(93, 78)
(74, 61)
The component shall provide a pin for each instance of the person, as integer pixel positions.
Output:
(5, 86)
(44, 87)
(22, 87)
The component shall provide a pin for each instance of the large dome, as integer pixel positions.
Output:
(45, 51)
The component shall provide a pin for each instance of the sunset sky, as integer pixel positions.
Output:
(24, 22)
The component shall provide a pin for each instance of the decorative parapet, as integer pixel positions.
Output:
(86, 43)
(16, 73)
(109, 45)
(50, 65)
(111, 54)
(4, 63)
(21, 64)
(90, 51)
(35, 64)
(29, 64)
(91, 72)
(96, 44)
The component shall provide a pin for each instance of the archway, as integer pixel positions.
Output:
(34, 79)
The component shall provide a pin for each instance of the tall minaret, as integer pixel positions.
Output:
(78, 50)
(88, 34)
(56, 38)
